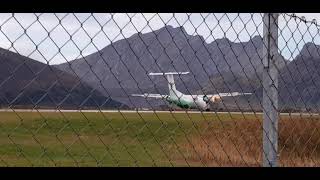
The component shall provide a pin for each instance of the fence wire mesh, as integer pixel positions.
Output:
(157, 89)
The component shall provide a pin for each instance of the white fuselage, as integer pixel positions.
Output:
(187, 101)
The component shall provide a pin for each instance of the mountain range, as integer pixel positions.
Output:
(27, 83)
(121, 69)
(299, 82)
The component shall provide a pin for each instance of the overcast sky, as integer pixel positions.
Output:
(98, 30)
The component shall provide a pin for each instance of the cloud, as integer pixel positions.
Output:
(57, 38)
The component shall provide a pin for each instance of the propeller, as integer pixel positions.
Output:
(212, 99)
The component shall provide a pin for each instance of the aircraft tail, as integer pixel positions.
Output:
(170, 79)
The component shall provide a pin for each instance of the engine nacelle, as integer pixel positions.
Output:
(213, 99)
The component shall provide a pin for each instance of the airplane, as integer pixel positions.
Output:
(175, 97)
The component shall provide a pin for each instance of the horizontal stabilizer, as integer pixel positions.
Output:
(167, 73)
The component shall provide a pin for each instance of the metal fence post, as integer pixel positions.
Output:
(270, 90)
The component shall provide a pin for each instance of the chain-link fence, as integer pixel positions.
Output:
(159, 89)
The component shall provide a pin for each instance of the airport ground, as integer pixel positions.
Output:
(144, 138)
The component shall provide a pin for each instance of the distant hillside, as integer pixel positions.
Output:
(299, 83)
(25, 82)
(300, 80)
(122, 67)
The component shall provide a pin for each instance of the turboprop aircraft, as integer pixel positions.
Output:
(202, 102)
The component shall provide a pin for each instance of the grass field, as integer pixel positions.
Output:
(148, 139)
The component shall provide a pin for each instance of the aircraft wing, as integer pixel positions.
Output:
(147, 95)
(229, 94)
(219, 96)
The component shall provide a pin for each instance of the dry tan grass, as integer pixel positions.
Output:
(239, 143)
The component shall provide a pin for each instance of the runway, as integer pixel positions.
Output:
(150, 111)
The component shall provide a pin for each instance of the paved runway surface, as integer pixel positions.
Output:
(145, 111)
